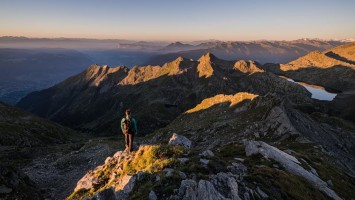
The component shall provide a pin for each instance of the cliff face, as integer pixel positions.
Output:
(95, 99)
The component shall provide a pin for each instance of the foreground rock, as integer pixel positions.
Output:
(180, 140)
(290, 163)
(221, 186)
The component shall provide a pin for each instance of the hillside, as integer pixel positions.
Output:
(241, 146)
(95, 99)
(21, 136)
(333, 69)
(22, 129)
(37, 155)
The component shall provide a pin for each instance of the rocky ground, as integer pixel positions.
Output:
(238, 147)
(251, 170)
(51, 172)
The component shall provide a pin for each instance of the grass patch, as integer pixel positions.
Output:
(163, 188)
(153, 159)
(325, 166)
(228, 152)
(281, 185)
(79, 195)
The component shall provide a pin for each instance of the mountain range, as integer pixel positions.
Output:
(31, 64)
(99, 95)
(261, 51)
(209, 128)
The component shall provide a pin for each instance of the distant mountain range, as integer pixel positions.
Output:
(260, 51)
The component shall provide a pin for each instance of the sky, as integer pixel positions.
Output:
(179, 20)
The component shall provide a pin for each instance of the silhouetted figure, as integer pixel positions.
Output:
(129, 130)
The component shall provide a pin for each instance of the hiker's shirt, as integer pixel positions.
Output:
(133, 124)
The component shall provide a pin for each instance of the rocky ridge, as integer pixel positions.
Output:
(257, 148)
(93, 100)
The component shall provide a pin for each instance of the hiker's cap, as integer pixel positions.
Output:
(128, 111)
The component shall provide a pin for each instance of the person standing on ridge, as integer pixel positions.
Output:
(129, 130)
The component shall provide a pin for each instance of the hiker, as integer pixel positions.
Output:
(129, 129)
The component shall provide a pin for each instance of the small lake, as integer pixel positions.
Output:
(318, 92)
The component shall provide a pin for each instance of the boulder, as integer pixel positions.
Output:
(238, 169)
(87, 182)
(125, 186)
(180, 140)
(152, 195)
(204, 161)
(168, 171)
(106, 194)
(183, 160)
(261, 193)
(207, 154)
(187, 190)
(226, 184)
(206, 191)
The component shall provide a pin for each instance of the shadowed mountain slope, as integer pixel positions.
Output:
(96, 98)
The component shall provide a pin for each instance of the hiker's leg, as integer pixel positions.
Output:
(126, 137)
(130, 142)
(132, 139)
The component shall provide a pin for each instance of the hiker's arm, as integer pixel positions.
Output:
(122, 124)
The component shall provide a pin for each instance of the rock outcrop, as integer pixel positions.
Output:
(180, 140)
(221, 186)
(290, 163)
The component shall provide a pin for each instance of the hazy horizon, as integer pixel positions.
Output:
(142, 40)
(183, 20)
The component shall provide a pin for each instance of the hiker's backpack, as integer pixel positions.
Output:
(127, 126)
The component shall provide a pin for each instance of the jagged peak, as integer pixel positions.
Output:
(177, 66)
(95, 74)
(139, 74)
(247, 66)
(207, 57)
(179, 59)
(205, 68)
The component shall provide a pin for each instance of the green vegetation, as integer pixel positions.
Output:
(324, 165)
(80, 194)
(152, 159)
(281, 185)
(333, 121)
(163, 187)
(230, 151)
